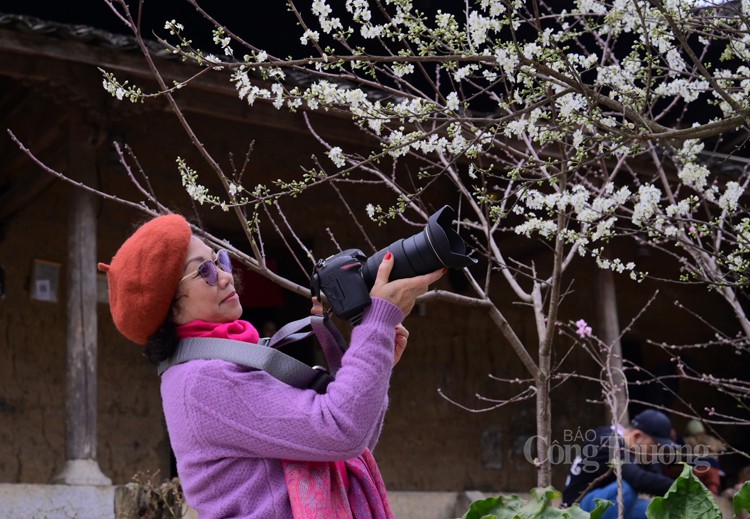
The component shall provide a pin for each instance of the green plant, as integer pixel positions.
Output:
(687, 498)
(538, 506)
(741, 500)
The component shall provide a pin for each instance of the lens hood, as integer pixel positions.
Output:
(446, 243)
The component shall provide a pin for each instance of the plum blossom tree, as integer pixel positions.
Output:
(575, 125)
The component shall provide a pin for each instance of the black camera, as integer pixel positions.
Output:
(347, 277)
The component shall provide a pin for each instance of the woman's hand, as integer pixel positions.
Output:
(402, 335)
(401, 292)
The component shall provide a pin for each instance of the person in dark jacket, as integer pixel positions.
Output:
(639, 444)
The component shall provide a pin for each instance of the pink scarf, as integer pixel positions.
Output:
(237, 330)
(349, 489)
(317, 489)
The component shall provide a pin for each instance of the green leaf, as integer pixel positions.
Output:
(741, 500)
(482, 508)
(601, 507)
(537, 507)
(574, 512)
(539, 502)
(687, 498)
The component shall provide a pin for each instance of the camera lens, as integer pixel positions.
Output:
(435, 247)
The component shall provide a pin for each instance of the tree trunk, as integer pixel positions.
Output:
(543, 423)
(609, 333)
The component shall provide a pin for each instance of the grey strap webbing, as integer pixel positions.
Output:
(265, 356)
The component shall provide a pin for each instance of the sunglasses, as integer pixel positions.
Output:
(208, 269)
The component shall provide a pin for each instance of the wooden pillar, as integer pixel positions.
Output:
(609, 326)
(81, 467)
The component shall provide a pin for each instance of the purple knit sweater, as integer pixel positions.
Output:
(231, 426)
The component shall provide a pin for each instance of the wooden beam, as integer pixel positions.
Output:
(75, 63)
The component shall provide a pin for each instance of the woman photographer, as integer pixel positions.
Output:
(248, 445)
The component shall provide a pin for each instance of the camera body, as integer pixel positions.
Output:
(347, 277)
(339, 277)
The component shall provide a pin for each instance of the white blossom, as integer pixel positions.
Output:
(443, 20)
(173, 27)
(309, 36)
(370, 31)
(336, 156)
(451, 102)
(277, 89)
(688, 90)
(321, 8)
(234, 188)
(479, 26)
(370, 209)
(680, 209)
(615, 265)
(402, 69)
(570, 104)
(360, 10)
(647, 206)
(728, 200)
(515, 128)
(464, 72)
(493, 7)
(675, 61)
(593, 6)
(694, 175)
(544, 228)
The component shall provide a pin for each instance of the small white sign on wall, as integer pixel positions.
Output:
(45, 281)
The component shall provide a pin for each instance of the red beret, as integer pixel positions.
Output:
(143, 276)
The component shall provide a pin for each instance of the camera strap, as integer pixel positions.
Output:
(266, 357)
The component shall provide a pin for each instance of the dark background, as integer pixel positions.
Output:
(267, 24)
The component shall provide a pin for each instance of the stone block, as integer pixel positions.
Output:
(25, 501)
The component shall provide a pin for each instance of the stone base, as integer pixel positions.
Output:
(81, 472)
(22, 501)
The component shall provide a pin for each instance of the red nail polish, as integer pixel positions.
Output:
(388, 255)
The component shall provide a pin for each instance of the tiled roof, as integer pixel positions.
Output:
(82, 33)
(99, 37)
